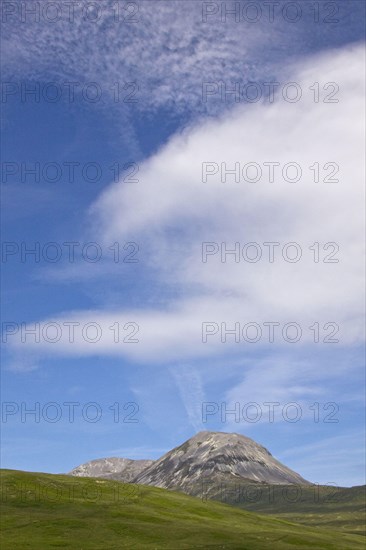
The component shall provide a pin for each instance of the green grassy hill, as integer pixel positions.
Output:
(42, 511)
(332, 508)
(339, 508)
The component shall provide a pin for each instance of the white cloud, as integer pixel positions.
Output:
(171, 212)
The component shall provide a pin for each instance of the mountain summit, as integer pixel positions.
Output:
(216, 457)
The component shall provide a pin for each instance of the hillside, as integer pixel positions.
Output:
(332, 508)
(341, 508)
(44, 511)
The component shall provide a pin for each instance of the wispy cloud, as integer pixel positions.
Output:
(168, 36)
(335, 460)
(171, 37)
(190, 387)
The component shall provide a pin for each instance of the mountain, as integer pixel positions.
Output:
(210, 459)
(121, 469)
(213, 465)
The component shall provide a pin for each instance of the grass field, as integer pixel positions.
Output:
(43, 511)
(342, 509)
(318, 506)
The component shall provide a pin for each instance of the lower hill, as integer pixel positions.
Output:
(341, 508)
(43, 511)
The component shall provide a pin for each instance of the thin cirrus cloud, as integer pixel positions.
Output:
(172, 212)
(169, 37)
(169, 50)
(345, 450)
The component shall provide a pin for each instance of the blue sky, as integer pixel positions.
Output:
(167, 140)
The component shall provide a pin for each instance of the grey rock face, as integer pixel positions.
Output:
(216, 457)
(121, 469)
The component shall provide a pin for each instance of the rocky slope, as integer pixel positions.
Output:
(122, 469)
(212, 458)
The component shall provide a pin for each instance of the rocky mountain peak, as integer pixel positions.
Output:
(209, 455)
